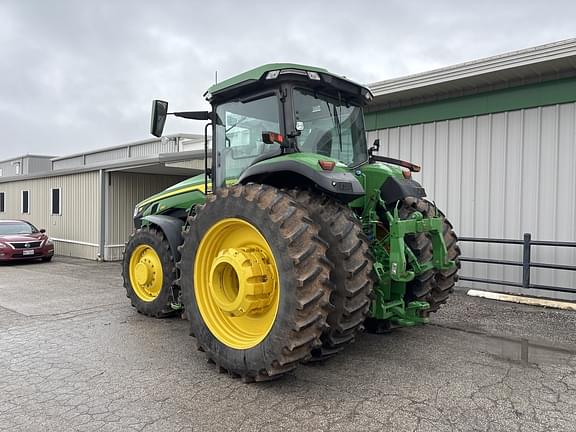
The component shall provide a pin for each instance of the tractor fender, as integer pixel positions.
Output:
(395, 189)
(344, 186)
(172, 229)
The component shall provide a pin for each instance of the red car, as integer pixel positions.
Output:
(20, 240)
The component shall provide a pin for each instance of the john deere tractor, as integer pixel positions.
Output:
(297, 236)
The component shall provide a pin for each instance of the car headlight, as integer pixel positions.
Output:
(135, 211)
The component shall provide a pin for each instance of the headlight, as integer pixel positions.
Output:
(135, 211)
(47, 242)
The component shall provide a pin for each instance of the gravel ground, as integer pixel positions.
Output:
(75, 356)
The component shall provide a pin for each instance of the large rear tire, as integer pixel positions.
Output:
(149, 271)
(351, 275)
(433, 286)
(255, 281)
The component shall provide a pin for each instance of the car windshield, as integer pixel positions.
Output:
(330, 127)
(8, 228)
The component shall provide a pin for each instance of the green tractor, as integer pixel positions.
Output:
(297, 237)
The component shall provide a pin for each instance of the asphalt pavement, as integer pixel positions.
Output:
(75, 356)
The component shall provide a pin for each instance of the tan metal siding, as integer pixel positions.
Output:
(195, 164)
(80, 199)
(500, 175)
(125, 190)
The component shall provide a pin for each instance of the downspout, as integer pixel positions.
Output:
(102, 179)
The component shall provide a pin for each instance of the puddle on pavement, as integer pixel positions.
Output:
(526, 351)
(520, 350)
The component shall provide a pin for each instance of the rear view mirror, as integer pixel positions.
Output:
(159, 111)
(42, 231)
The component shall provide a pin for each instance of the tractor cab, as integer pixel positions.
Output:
(286, 108)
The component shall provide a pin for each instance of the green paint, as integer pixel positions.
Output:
(395, 264)
(258, 73)
(192, 183)
(372, 177)
(541, 94)
(308, 159)
(184, 200)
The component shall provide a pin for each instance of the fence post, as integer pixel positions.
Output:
(526, 260)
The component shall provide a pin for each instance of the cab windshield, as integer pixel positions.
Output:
(330, 127)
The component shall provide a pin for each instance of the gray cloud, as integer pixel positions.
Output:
(80, 75)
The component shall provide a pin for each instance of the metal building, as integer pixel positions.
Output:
(497, 142)
(23, 165)
(85, 201)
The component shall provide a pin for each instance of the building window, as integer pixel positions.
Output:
(17, 168)
(25, 201)
(1, 172)
(55, 204)
(2, 204)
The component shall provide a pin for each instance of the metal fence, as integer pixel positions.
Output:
(526, 262)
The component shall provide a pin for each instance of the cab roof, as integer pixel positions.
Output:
(259, 73)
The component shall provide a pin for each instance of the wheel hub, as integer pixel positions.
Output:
(143, 272)
(242, 281)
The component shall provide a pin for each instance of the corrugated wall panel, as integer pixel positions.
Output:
(125, 190)
(500, 175)
(107, 155)
(72, 162)
(38, 165)
(8, 168)
(153, 148)
(79, 219)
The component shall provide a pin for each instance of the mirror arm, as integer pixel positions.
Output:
(193, 115)
(207, 170)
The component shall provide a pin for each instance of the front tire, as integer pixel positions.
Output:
(149, 272)
(255, 281)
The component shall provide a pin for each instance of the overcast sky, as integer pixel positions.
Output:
(78, 75)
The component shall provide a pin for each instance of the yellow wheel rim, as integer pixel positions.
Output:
(146, 275)
(236, 283)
